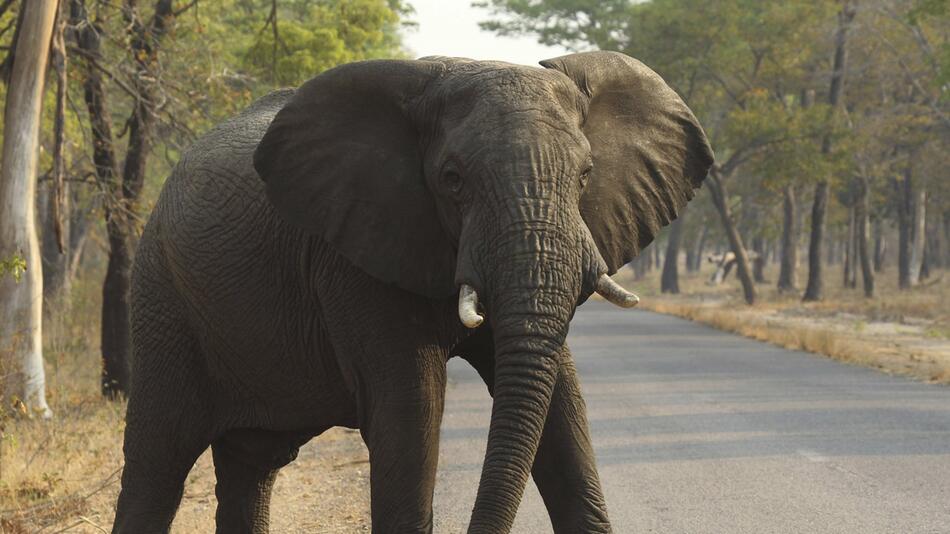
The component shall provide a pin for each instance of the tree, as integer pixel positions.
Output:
(167, 94)
(669, 279)
(813, 289)
(21, 328)
(788, 270)
(720, 197)
(739, 64)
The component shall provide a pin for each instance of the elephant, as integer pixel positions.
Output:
(314, 262)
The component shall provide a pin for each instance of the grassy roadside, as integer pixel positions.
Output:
(899, 332)
(63, 475)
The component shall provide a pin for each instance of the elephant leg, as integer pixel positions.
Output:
(168, 425)
(401, 429)
(564, 468)
(246, 463)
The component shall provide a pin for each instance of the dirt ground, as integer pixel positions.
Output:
(325, 490)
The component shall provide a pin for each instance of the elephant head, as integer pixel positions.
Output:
(523, 186)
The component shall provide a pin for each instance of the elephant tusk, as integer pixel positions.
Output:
(468, 304)
(616, 294)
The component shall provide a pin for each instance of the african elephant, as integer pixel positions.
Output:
(314, 261)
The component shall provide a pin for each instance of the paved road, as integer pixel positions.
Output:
(697, 431)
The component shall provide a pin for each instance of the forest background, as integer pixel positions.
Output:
(830, 197)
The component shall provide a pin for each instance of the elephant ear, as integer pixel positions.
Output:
(342, 160)
(649, 151)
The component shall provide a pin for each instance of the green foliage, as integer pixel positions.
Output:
(215, 59)
(319, 36)
(14, 266)
(757, 74)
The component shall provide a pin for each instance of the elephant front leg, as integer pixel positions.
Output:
(401, 429)
(564, 469)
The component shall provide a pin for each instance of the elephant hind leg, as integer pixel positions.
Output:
(246, 463)
(165, 433)
(169, 420)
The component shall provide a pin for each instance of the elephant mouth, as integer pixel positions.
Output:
(603, 285)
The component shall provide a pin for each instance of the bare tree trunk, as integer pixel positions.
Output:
(55, 214)
(694, 255)
(21, 312)
(946, 238)
(788, 275)
(758, 264)
(918, 234)
(863, 228)
(114, 351)
(639, 268)
(122, 198)
(719, 196)
(56, 281)
(880, 245)
(669, 280)
(905, 211)
(813, 290)
(928, 253)
(79, 224)
(938, 244)
(849, 271)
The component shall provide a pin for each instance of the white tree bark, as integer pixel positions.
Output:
(21, 303)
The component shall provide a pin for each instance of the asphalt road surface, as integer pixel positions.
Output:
(698, 431)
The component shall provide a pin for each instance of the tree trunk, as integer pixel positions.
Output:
(56, 281)
(669, 280)
(880, 245)
(639, 271)
(758, 264)
(863, 227)
(849, 272)
(926, 263)
(694, 256)
(788, 275)
(905, 211)
(946, 238)
(21, 339)
(918, 234)
(719, 196)
(813, 290)
(78, 236)
(114, 352)
(121, 198)
(55, 212)
(938, 244)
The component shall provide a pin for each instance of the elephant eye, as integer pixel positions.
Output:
(585, 177)
(452, 181)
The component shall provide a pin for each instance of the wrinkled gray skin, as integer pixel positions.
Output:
(301, 267)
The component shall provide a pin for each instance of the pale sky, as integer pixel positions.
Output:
(450, 28)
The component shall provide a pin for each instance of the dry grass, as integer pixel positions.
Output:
(57, 471)
(903, 332)
(63, 475)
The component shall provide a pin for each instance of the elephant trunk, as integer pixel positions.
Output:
(530, 301)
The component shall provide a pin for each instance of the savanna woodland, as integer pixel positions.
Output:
(829, 200)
